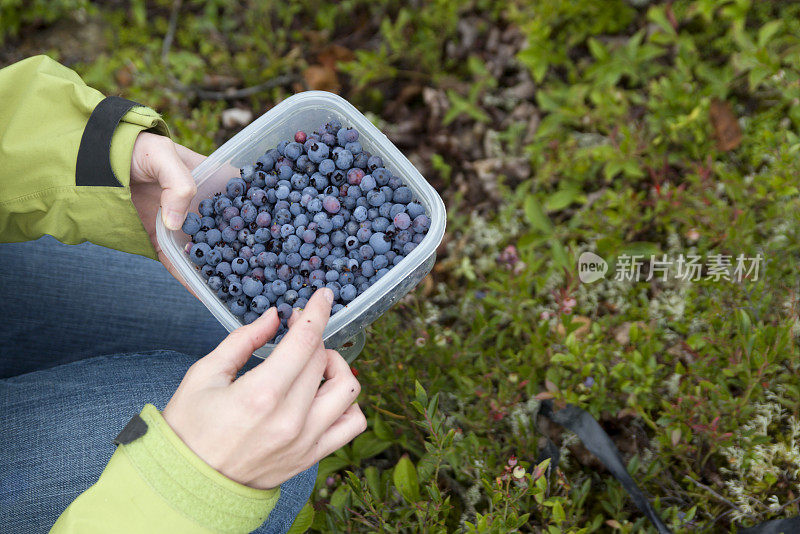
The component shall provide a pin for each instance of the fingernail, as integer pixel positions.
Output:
(173, 219)
(328, 294)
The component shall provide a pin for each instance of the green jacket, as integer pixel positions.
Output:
(153, 483)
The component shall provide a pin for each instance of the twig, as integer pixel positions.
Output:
(241, 93)
(231, 94)
(712, 492)
(173, 24)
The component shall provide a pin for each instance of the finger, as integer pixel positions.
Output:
(338, 392)
(302, 392)
(189, 157)
(349, 425)
(297, 346)
(177, 187)
(236, 349)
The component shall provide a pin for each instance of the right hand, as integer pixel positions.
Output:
(275, 420)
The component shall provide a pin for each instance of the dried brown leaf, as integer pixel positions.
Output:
(727, 131)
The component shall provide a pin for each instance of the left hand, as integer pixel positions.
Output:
(161, 177)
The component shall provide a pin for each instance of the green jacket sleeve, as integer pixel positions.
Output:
(154, 483)
(44, 109)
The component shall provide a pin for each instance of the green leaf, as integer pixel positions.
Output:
(420, 394)
(561, 199)
(597, 49)
(536, 216)
(368, 445)
(433, 405)
(340, 496)
(381, 429)
(405, 479)
(767, 31)
(373, 478)
(303, 521)
(558, 513)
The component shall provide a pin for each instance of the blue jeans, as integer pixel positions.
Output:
(88, 336)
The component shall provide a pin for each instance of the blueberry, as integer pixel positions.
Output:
(421, 223)
(343, 159)
(346, 135)
(224, 269)
(249, 212)
(290, 297)
(402, 195)
(199, 253)
(214, 258)
(259, 304)
(214, 282)
(278, 287)
(366, 252)
(376, 198)
(337, 177)
(221, 203)
(206, 207)
(364, 234)
(375, 162)
(353, 147)
(349, 292)
(402, 220)
(213, 236)
(235, 288)
(395, 182)
(265, 162)
(354, 176)
(367, 268)
(252, 287)
(331, 276)
(207, 271)
(381, 176)
(237, 305)
(414, 210)
(240, 265)
(192, 224)
(336, 308)
(368, 183)
(333, 126)
(379, 262)
(331, 204)
(263, 219)
(235, 188)
(318, 152)
(284, 272)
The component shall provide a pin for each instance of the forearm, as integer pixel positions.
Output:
(46, 107)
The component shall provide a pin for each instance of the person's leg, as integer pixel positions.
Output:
(57, 428)
(62, 303)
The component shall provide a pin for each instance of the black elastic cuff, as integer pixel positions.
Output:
(94, 155)
(135, 429)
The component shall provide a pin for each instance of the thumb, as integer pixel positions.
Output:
(178, 187)
(236, 349)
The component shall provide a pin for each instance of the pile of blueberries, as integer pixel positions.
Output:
(316, 211)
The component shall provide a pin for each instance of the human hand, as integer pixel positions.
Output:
(161, 177)
(275, 420)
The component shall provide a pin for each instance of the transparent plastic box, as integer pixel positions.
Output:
(309, 111)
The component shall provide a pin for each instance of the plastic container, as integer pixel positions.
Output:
(309, 111)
